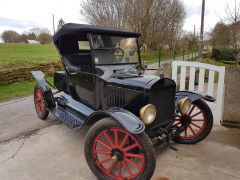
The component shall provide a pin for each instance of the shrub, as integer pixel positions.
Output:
(226, 54)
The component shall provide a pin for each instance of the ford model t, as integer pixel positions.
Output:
(103, 85)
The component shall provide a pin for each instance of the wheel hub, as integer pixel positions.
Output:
(117, 155)
(185, 120)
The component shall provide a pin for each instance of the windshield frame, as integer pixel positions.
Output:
(112, 64)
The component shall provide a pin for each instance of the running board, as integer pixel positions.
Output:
(70, 111)
(66, 117)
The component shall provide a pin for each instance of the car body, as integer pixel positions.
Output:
(104, 85)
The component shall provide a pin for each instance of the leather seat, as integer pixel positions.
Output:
(78, 61)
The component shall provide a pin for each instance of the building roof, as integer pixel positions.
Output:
(33, 41)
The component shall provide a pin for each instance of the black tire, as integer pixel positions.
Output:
(207, 113)
(43, 114)
(143, 139)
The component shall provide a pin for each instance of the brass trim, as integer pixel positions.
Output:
(181, 103)
(143, 110)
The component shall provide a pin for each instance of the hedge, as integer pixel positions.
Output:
(226, 54)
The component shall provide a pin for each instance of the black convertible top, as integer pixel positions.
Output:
(79, 29)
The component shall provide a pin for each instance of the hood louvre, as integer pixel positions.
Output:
(115, 97)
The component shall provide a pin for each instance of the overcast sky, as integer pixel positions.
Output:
(22, 15)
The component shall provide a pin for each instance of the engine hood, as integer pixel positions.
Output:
(135, 82)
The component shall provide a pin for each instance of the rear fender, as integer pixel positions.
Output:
(127, 119)
(192, 95)
(47, 92)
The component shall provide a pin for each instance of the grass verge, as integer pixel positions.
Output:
(18, 89)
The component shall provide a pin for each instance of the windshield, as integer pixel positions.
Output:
(114, 50)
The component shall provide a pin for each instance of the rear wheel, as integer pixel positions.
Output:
(39, 103)
(197, 123)
(114, 153)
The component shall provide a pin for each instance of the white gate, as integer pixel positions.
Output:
(210, 80)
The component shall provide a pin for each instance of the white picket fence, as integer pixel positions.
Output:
(188, 71)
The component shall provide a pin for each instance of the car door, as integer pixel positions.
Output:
(84, 85)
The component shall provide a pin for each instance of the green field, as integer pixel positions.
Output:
(18, 89)
(16, 55)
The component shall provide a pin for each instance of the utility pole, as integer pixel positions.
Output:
(194, 31)
(53, 25)
(194, 38)
(201, 31)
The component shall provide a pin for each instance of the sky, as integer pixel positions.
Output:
(22, 15)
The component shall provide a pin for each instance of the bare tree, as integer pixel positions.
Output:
(43, 35)
(10, 36)
(159, 22)
(232, 18)
(220, 36)
(189, 41)
(37, 31)
(45, 38)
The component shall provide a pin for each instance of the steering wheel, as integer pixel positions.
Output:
(113, 51)
(121, 55)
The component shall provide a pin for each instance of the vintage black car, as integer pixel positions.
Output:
(103, 85)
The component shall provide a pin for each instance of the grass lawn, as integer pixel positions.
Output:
(18, 89)
(26, 54)
(214, 62)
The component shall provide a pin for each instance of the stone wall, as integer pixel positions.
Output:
(8, 76)
(231, 113)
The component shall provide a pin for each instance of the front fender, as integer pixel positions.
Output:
(127, 119)
(192, 95)
(47, 92)
(39, 76)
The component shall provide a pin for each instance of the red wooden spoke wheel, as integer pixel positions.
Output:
(121, 154)
(197, 123)
(114, 153)
(39, 102)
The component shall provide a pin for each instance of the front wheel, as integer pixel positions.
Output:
(197, 123)
(113, 153)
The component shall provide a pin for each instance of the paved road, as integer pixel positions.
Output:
(18, 117)
(56, 153)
